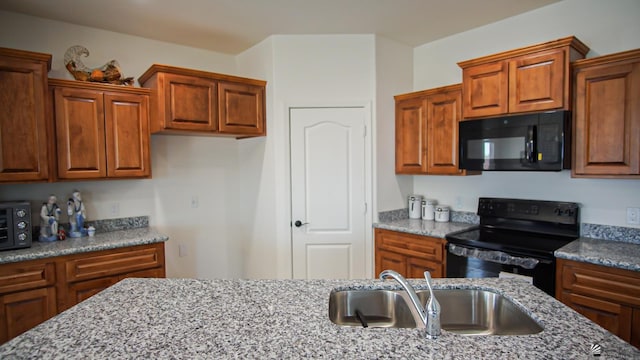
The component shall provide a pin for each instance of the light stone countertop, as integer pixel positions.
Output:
(424, 227)
(284, 319)
(101, 241)
(617, 254)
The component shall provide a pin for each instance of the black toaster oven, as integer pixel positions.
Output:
(15, 225)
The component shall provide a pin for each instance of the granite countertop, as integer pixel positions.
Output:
(424, 227)
(276, 319)
(101, 241)
(621, 255)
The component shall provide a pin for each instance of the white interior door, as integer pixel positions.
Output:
(328, 192)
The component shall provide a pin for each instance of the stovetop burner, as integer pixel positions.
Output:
(529, 228)
(514, 242)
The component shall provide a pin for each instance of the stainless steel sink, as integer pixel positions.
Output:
(463, 311)
(374, 308)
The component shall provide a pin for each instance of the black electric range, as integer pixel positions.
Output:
(516, 237)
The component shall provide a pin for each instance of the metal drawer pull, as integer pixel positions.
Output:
(494, 256)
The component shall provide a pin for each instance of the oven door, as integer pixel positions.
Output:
(469, 262)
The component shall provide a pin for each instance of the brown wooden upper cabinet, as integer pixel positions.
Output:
(24, 131)
(533, 78)
(205, 103)
(606, 134)
(102, 131)
(427, 131)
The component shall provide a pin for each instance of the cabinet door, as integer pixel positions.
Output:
(386, 260)
(417, 266)
(607, 121)
(443, 114)
(127, 135)
(611, 316)
(23, 122)
(23, 310)
(241, 109)
(79, 118)
(83, 290)
(635, 328)
(189, 103)
(537, 82)
(151, 273)
(485, 90)
(411, 136)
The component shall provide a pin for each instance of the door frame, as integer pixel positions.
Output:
(369, 175)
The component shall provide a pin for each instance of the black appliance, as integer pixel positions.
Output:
(15, 225)
(515, 236)
(531, 142)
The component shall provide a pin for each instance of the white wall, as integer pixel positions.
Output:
(606, 27)
(305, 70)
(241, 227)
(257, 186)
(182, 166)
(394, 75)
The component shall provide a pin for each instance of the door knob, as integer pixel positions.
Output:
(299, 223)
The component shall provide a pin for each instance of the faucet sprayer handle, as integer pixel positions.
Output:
(432, 311)
(427, 276)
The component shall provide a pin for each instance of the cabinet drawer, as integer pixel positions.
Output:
(611, 316)
(135, 259)
(618, 285)
(24, 276)
(412, 245)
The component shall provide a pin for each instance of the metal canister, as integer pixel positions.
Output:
(428, 209)
(442, 213)
(415, 209)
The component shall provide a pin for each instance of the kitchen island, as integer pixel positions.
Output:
(189, 319)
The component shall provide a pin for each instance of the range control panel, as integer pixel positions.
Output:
(534, 210)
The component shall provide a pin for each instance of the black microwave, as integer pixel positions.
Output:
(15, 225)
(531, 142)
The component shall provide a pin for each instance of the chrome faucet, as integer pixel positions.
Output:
(430, 314)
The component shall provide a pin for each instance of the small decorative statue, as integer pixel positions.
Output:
(108, 73)
(77, 215)
(49, 217)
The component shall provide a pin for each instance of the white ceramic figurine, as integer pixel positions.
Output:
(49, 217)
(77, 215)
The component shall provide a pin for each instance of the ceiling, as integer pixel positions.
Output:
(232, 26)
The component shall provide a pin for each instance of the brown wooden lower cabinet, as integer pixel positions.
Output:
(25, 309)
(77, 292)
(409, 254)
(607, 296)
(36, 290)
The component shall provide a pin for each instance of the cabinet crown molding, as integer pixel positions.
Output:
(631, 55)
(570, 41)
(26, 55)
(428, 92)
(156, 68)
(98, 86)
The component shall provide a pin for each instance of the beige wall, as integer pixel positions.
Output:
(241, 226)
(606, 27)
(183, 166)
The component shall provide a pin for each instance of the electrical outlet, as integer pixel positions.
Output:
(633, 216)
(114, 210)
(194, 202)
(458, 205)
(182, 250)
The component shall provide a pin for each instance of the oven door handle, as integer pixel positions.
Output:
(495, 256)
